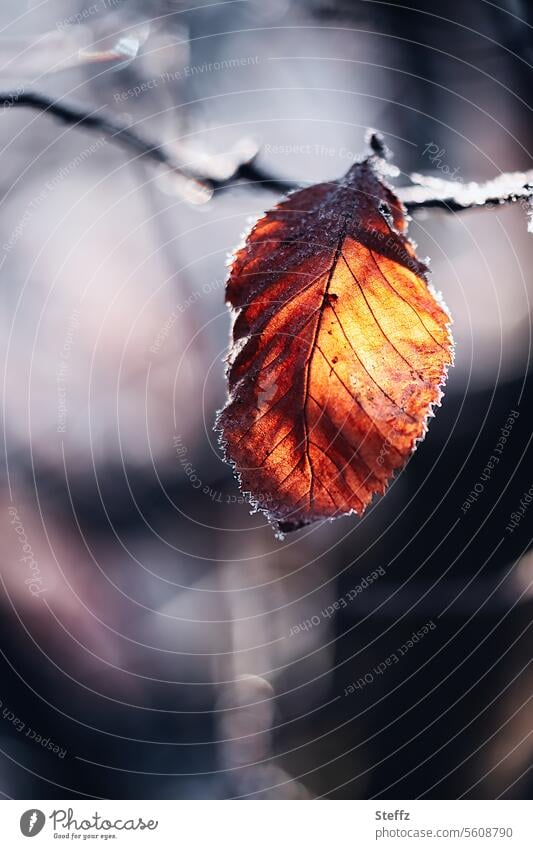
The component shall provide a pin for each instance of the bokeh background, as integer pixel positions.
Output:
(158, 653)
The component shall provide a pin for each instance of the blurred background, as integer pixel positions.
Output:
(157, 640)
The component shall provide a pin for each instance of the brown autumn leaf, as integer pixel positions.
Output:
(339, 350)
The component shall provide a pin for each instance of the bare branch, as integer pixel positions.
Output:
(434, 193)
(242, 169)
(426, 193)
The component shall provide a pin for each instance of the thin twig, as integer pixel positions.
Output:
(426, 193)
(434, 193)
(76, 116)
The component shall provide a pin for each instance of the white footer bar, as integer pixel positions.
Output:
(261, 824)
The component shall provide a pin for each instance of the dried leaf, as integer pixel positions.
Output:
(339, 350)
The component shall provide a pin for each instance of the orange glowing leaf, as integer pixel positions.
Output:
(339, 350)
